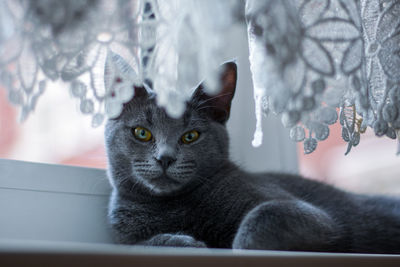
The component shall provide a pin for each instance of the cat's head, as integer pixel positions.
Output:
(147, 148)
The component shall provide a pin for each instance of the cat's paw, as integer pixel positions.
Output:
(184, 241)
(176, 240)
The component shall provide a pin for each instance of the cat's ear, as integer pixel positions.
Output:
(140, 91)
(218, 106)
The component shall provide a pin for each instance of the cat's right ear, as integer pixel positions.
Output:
(218, 106)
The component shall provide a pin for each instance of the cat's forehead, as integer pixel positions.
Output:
(149, 113)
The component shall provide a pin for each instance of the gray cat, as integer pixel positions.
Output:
(174, 185)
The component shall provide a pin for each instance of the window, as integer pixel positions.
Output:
(58, 133)
(370, 167)
(55, 133)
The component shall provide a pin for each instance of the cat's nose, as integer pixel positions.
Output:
(165, 161)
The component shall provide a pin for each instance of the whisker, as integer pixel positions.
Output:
(184, 167)
(140, 161)
(184, 173)
(212, 98)
(142, 165)
(133, 186)
(200, 108)
(188, 162)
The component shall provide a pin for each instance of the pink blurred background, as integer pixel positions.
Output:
(58, 133)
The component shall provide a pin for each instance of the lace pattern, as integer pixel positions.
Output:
(314, 62)
(320, 56)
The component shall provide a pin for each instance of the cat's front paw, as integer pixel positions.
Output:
(176, 240)
(184, 241)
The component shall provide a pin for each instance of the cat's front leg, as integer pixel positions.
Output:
(140, 230)
(173, 240)
(286, 225)
(133, 226)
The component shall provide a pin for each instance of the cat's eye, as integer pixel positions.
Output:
(142, 134)
(190, 137)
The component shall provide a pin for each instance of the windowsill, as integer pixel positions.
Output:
(45, 253)
(56, 216)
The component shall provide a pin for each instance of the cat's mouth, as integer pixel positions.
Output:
(164, 184)
(165, 178)
(161, 181)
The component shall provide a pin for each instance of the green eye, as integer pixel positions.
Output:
(142, 134)
(190, 137)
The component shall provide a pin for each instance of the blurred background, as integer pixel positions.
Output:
(58, 133)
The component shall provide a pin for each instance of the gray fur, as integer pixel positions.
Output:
(203, 199)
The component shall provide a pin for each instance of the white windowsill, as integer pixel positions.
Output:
(55, 215)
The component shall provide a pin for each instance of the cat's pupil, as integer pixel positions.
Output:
(142, 133)
(190, 136)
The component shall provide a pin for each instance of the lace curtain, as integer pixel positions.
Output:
(313, 61)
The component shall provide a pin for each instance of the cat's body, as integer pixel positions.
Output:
(176, 189)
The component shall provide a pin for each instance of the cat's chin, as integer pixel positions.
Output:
(163, 185)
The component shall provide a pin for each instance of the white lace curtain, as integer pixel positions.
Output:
(312, 61)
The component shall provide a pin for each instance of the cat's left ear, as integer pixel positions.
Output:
(218, 106)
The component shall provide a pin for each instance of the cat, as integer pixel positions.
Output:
(174, 185)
